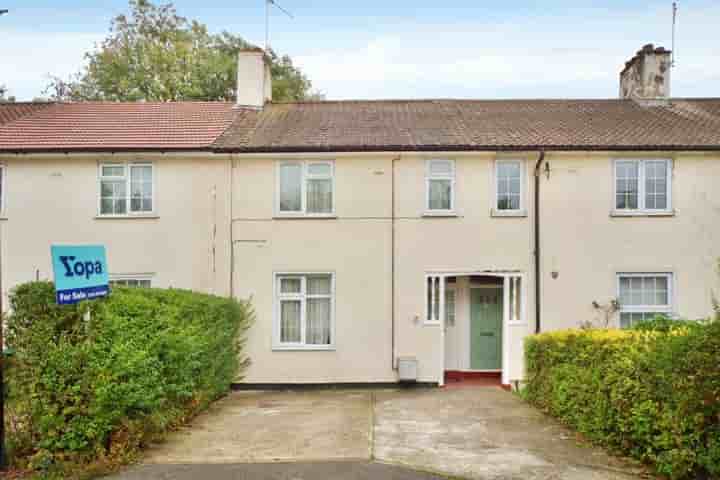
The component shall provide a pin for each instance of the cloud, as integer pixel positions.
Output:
(578, 54)
(28, 59)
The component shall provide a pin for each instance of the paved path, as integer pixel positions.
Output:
(481, 433)
(277, 471)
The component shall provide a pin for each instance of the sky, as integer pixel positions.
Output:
(403, 48)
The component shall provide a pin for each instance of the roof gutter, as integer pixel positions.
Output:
(536, 245)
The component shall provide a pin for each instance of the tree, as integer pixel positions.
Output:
(157, 55)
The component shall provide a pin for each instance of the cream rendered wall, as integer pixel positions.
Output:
(587, 246)
(472, 241)
(54, 199)
(356, 246)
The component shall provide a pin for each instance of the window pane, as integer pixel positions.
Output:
(290, 187)
(120, 207)
(627, 184)
(319, 196)
(290, 321)
(625, 320)
(509, 170)
(450, 307)
(319, 169)
(290, 285)
(436, 295)
(429, 303)
(113, 171)
(441, 167)
(440, 194)
(318, 285)
(317, 330)
(106, 206)
(106, 189)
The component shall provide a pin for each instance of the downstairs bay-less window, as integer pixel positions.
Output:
(304, 311)
(643, 296)
(305, 188)
(126, 189)
(141, 281)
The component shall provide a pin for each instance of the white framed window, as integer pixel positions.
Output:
(642, 296)
(643, 185)
(304, 311)
(515, 299)
(132, 280)
(435, 299)
(440, 187)
(126, 189)
(306, 188)
(509, 196)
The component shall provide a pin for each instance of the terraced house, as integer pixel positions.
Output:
(382, 241)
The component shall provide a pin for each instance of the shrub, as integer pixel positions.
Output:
(87, 391)
(653, 392)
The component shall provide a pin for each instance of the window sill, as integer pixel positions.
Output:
(3, 218)
(642, 213)
(305, 217)
(315, 348)
(431, 214)
(126, 217)
(432, 324)
(508, 213)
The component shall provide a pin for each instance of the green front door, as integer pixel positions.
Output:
(485, 328)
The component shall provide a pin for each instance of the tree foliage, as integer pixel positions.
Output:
(156, 55)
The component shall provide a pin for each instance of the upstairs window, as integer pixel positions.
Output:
(508, 185)
(643, 296)
(306, 188)
(642, 185)
(440, 186)
(126, 189)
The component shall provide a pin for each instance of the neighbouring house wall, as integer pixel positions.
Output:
(54, 200)
(587, 246)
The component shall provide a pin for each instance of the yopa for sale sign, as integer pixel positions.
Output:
(80, 272)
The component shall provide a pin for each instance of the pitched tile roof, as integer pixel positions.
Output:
(392, 125)
(100, 126)
(10, 111)
(407, 125)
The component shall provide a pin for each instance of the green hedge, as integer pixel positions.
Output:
(651, 393)
(87, 392)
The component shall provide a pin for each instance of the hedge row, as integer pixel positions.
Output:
(88, 391)
(653, 393)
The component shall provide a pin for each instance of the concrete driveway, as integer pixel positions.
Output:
(478, 433)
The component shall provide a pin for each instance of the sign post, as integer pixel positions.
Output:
(80, 273)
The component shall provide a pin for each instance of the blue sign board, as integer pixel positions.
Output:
(80, 272)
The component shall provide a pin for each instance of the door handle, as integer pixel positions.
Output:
(487, 334)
